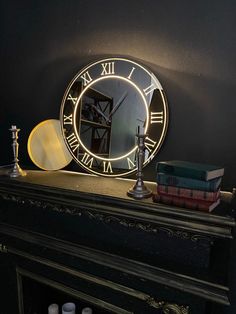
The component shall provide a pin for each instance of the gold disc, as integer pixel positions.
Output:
(46, 146)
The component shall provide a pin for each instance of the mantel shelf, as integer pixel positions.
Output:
(103, 197)
(86, 225)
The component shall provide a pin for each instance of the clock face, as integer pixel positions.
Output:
(102, 109)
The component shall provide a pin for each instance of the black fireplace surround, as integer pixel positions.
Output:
(66, 236)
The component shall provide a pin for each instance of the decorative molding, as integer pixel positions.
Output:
(109, 307)
(128, 223)
(41, 204)
(170, 232)
(207, 290)
(107, 218)
(204, 240)
(168, 308)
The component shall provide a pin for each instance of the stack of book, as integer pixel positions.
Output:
(189, 185)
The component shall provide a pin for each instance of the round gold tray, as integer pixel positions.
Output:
(46, 146)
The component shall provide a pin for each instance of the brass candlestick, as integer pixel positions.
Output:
(139, 190)
(16, 171)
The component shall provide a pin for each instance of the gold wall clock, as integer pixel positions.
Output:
(101, 110)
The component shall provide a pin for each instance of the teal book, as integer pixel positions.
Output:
(191, 170)
(188, 183)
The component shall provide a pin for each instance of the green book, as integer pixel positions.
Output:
(190, 169)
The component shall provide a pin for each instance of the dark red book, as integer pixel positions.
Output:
(186, 202)
(188, 193)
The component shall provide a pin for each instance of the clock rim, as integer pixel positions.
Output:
(165, 107)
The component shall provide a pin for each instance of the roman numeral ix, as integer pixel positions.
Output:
(67, 119)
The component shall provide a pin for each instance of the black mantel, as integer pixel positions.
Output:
(83, 236)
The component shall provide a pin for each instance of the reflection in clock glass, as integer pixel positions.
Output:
(110, 111)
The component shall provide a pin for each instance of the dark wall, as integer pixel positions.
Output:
(189, 45)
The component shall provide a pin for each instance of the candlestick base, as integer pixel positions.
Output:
(16, 171)
(139, 191)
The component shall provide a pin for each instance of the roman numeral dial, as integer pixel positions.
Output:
(103, 107)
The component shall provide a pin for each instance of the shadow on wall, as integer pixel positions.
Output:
(201, 117)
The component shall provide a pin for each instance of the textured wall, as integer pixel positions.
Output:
(190, 46)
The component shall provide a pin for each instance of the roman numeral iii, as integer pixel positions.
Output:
(157, 117)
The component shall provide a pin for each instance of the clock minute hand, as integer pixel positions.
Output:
(117, 105)
(101, 113)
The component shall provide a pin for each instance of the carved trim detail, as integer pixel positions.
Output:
(42, 204)
(168, 308)
(107, 218)
(203, 240)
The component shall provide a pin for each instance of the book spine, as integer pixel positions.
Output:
(188, 183)
(188, 193)
(185, 202)
(176, 170)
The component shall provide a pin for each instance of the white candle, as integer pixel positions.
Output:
(68, 308)
(87, 310)
(53, 309)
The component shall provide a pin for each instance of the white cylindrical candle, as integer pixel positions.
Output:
(87, 310)
(68, 308)
(53, 309)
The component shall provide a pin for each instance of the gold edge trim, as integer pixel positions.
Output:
(126, 290)
(94, 279)
(19, 293)
(77, 294)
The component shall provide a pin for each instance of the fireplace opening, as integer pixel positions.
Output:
(36, 293)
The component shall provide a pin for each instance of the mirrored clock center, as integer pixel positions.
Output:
(107, 114)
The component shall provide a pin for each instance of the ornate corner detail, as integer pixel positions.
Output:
(168, 308)
(3, 248)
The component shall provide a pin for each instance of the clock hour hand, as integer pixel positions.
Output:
(101, 113)
(117, 105)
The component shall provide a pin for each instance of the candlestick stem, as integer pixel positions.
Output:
(16, 171)
(139, 190)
